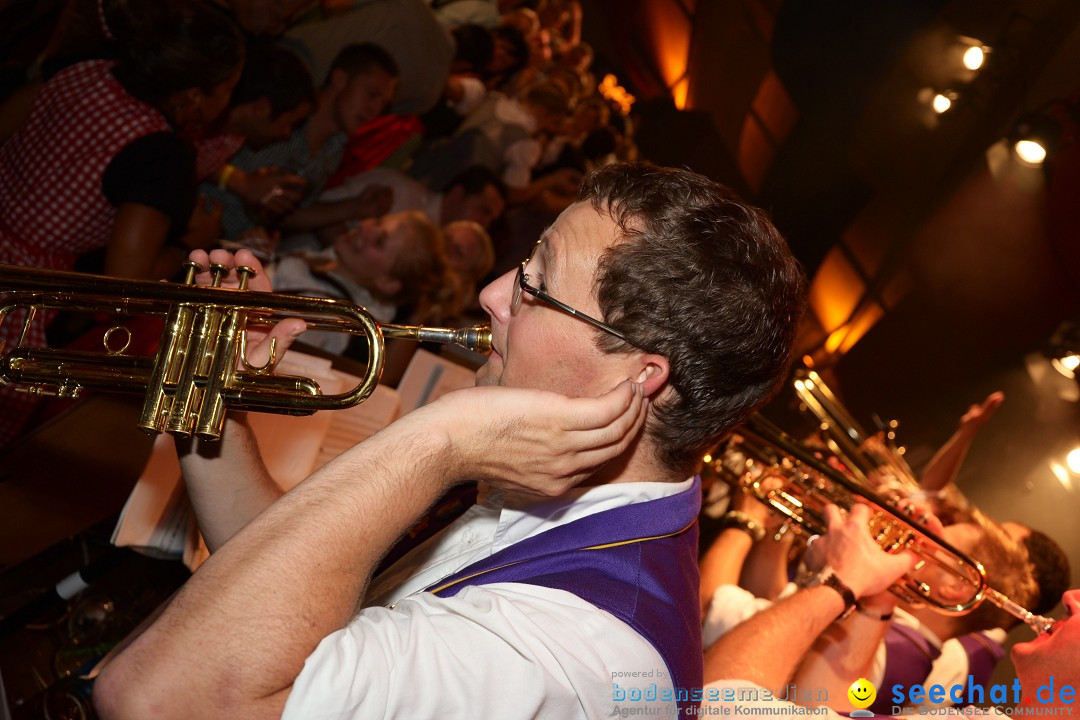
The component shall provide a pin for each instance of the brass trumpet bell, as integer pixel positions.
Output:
(945, 578)
(193, 377)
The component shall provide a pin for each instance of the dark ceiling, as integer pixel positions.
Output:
(964, 262)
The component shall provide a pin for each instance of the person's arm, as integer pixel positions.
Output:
(945, 465)
(137, 248)
(723, 561)
(767, 648)
(277, 191)
(226, 480)
(765, 572)
(844, 652)
(150, 182)
(235, 638)
(374, 201)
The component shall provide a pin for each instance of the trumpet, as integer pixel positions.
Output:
(846, 438)
(193, 377)
(761, 448)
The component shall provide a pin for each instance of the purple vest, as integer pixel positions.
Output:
(983, 655)
(909, 657)
(637, 562)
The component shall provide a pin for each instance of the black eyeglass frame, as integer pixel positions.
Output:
(522, 285)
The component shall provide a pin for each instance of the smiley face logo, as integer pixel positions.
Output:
(862, 693)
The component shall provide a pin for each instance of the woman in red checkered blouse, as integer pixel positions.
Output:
(105, 158)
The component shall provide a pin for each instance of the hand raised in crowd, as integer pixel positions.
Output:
(977, 415)
(748, 504)
(278, 192)
(373, 202)
(535, 441)
(259, 341)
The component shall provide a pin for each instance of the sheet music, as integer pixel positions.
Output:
(429, 377)
(289, 444)
(348, 427)
(158, 518)
(154, 519)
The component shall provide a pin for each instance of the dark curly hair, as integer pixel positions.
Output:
(167, 47)
(706, 281)
(1051, 570)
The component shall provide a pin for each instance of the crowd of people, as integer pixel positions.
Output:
(397, 154)
(145, 130)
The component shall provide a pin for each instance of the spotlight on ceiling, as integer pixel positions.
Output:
(1067, 364)
(1031, 152)
(1037, 135)
(975, 56)
(942, 101)
(1063, 349)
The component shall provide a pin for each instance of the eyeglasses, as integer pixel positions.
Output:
(522, 285)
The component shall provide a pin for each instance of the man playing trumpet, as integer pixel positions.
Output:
(657, 312)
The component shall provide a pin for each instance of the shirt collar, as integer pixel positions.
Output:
(522, 516)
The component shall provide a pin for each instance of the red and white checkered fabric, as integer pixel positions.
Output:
(52, 206)
(211, 155)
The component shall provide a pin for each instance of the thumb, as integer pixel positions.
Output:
(269, 351)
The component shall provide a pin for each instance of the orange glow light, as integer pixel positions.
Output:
(670, 36)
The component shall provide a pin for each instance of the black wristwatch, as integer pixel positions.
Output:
(828, 577)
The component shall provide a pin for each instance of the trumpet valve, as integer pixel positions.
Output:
(245, 274)
(219, 272)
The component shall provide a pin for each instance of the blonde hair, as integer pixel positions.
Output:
(484, 261)
(420, 265)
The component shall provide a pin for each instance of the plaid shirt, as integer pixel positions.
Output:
(292, 155)
(52, 205)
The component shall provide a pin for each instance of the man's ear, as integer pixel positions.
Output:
(652, 373)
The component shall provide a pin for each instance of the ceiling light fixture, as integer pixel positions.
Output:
(943, 100)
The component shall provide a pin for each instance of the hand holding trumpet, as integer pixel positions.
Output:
(263, 348)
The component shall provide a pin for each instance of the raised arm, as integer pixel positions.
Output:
(945, 464)
(235, 638)
(724, 561)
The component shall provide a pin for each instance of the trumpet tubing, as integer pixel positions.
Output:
(812, 483)
(846, 438)
(193, 377)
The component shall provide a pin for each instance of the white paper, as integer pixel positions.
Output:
(429, 377)
(158, 518)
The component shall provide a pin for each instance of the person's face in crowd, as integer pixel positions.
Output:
(463, 248)
(193, 110)
(503, 57)
(483, 207)
(539, 346)
(587, 117)
(947, 587)
(540, 48)
(368, 251)
(267, 130)
(267, 17)
(362, 97)
(1055, 654)
(1016, 531)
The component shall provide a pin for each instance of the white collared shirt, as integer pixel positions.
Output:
(504, 650)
